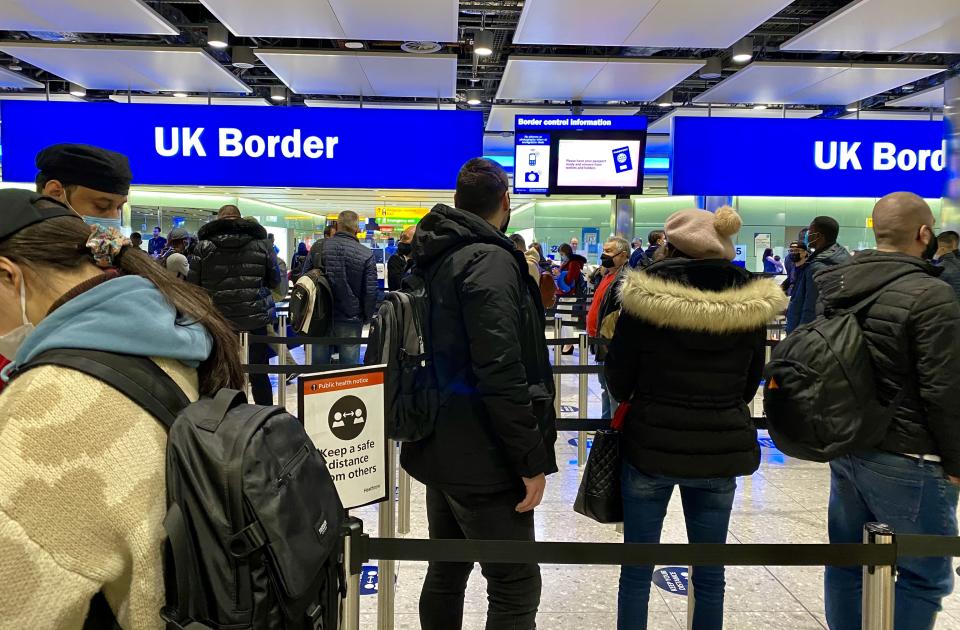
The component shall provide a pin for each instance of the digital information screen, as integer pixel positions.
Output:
(584, 155)
(532, 163)
(599, 163)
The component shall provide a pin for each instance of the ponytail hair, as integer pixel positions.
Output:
(61, 243)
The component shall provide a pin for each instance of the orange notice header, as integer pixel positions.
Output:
(342, 382)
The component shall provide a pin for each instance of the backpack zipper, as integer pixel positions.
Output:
(287, 471)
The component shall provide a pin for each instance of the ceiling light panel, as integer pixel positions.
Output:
(933, 97)
(891, 115)
(83, 16)
(129, 67)
(189, 100)
(41, 96)
(313, 102)
(339, 19)
(593, 78)
(367, 74)
(669, 23)
(11, 79)
(663, 124)
(812, 83)
(886, 26)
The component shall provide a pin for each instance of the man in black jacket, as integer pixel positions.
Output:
(352, 273)
(399, 263)
(909, 480)
(949, 259)
(234, 262)
(821, 239)
(485, 464)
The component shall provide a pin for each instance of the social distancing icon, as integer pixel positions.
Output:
(348, 416)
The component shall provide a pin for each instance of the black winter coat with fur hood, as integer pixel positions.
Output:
(688, 353)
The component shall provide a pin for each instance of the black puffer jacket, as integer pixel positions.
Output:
(950, 263)
(497, 422)
(913, 332)
(688, 353)
(234, 263)
(352, 273)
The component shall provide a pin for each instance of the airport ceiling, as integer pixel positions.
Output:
(642, 56)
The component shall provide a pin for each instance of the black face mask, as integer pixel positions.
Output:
(931, 249)
(795, 257)
(404, 249)
(506, 223)
(606, 261)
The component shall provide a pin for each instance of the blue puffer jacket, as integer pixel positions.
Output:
(352, 273)
(803, 301)
(951, 271)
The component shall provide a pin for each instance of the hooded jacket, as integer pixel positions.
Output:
(496, 421)
(688, 354)
(533, 263)
(912, 331)
(951, 271)
(234, 263)
(804, 296)
(82, 482)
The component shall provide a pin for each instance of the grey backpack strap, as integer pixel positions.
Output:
(138, 378)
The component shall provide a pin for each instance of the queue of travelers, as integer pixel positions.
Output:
(664, 317)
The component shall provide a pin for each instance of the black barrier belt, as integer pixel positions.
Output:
(577, 369)
(564, 341)
(295, 369)
(596, 424)
(919, 546)
(296, 341)
(516, 552)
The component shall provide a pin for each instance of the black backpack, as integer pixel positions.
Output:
(253, 518)
(820, 395)
(399, 338)
(311, 301)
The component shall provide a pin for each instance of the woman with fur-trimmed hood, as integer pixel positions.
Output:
(688, 354)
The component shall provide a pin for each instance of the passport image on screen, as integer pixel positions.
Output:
(621, 159)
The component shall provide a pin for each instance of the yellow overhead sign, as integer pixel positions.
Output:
(401, 212)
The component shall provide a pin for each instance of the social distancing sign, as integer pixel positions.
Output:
(343, 413)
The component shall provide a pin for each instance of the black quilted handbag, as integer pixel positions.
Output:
(600, 496)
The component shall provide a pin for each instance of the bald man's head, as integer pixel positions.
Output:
(407, 235)
(903, 222)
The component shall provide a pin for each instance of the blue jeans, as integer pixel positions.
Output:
(349, 353)
(706, 509)
(910, 496)
(607, 403)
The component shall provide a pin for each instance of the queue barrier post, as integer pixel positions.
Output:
(583, 400)
(557, 360)
(403, 508)
(350, 615)
(386, 592)
(244, 360)
(282, 352)
(879, 582)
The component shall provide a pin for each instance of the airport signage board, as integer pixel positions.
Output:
(807, 158)
(252, 146)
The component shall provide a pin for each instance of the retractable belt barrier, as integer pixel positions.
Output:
(702, 554)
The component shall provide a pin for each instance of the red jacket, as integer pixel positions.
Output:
(3, 364)
(594, 312)
(570, 273)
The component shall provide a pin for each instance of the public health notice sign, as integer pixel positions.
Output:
(343, 413)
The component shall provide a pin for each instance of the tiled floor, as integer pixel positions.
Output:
(784, 502)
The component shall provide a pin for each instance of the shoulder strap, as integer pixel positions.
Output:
(138, 378)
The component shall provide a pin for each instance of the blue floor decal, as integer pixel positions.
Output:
(672, 579)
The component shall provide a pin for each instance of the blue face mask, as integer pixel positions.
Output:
(107, 223)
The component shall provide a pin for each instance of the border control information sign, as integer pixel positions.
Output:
(343, 413)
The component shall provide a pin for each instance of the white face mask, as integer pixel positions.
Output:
(11, 342)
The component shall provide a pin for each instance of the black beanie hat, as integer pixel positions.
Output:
(88, 166)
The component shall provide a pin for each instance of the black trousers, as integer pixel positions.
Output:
(260, 383)
(513, 590)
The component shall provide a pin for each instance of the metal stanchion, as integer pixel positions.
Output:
(282, 360)
(387, 529)
(557, 360)
(583, 402)
(879, 582)
(350, 617)
(308, 354)
(403, 509)
(245, 359)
